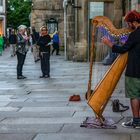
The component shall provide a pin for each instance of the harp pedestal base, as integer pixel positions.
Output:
(96, 123)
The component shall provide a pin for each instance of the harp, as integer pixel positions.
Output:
(98, 98)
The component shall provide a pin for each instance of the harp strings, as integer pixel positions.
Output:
(122, 37)
(101, 51)
(102, 26)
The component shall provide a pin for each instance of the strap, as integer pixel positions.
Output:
(125, 107)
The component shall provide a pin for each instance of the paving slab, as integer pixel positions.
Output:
(61, 120)
(47, 114)
(74, 136)
(45, 109)
(39, 109)
(75, 128)
(4, 103)
(135, 136)
(48, 103)
(29, 128)
(17, 136)
(9, 109)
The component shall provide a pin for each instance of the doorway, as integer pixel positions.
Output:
(95, 9)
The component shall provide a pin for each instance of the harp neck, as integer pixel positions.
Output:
(105, 25)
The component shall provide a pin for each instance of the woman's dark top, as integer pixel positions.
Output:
(12, 39)
(43, 42)
(132, 45)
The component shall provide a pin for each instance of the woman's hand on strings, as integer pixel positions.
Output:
(107, 41)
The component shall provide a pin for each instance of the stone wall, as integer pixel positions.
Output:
(77, 22)
(43, 10)
(77, 31)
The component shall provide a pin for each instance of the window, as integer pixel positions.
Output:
(134, 4)
(96, 8)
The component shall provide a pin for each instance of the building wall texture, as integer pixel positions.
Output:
(77, 13)
(42, 10)
(3, 17)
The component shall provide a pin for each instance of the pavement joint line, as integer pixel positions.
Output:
(61, 128)
(73, 113)
(3, 119)
(19, 108)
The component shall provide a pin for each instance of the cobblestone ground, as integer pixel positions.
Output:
(39, 109)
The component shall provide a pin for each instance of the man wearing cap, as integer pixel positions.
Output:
(21, 50)
(132, 74)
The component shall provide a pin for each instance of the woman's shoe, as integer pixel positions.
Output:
(21, 77)
(42, 76)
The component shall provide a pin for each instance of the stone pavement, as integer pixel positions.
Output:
(38, 109)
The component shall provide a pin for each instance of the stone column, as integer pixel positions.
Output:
(118, 13)
(81, 42)
(70, 32)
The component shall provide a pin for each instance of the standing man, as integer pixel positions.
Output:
(55, 40)
(35, 37)
(13, 42)
(44, 48)
(21, 51)
(132, 74)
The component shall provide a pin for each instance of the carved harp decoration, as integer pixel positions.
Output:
(99, 96)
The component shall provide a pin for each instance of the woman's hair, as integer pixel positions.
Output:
(44, 27)
(132, 16)
(22, 27)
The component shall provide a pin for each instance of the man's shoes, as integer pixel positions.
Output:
(24, 77)
(37, 60)
(130, 124)
(44, 76)
(58, 54)
(47, 76)
(21, 77)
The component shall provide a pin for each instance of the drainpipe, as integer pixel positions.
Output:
(65, 3)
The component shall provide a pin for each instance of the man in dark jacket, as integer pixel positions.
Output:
(13, 42)
(35, 37)
(132, 74)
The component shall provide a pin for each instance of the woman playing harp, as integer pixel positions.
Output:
(132, 74)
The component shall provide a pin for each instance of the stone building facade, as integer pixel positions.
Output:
(74, 21)
(45, 11)
(2, 17)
